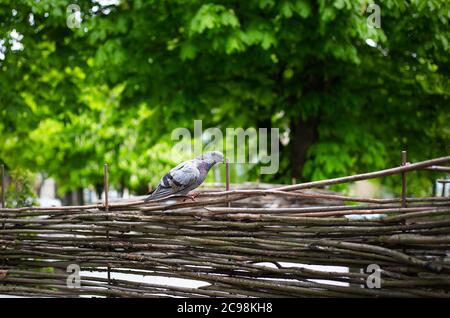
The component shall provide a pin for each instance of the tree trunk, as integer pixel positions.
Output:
(68, 198)
(74, 197)
(99, 190)
(80, 196)
(303, 135)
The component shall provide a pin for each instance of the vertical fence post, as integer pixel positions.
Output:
(106, 189)
(3, 202)
(404, 159)
(227, 178)
(3, 186)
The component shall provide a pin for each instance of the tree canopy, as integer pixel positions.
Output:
(349, 96)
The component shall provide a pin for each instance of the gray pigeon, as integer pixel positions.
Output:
(186, 176)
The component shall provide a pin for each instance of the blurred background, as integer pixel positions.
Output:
(349, 83)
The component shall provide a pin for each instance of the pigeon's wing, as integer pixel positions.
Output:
(179, 180)
(184, 177)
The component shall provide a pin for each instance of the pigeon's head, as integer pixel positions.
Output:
(212, 157)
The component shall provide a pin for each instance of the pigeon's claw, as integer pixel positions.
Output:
(192, 197)
(189, 197)
(195, 194)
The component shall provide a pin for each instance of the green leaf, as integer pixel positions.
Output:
(188, 51)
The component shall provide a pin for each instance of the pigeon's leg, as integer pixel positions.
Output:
(192, 196)
(195, 194)
(189, 197)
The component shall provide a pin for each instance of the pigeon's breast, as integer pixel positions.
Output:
(203, 167)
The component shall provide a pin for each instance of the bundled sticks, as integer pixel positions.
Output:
(257, 251)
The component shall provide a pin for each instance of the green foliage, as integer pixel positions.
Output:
(19, 190)
(113, 90)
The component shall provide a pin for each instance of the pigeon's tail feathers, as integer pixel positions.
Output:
(159, 193)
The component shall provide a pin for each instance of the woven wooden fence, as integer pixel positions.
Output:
(258, 247)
